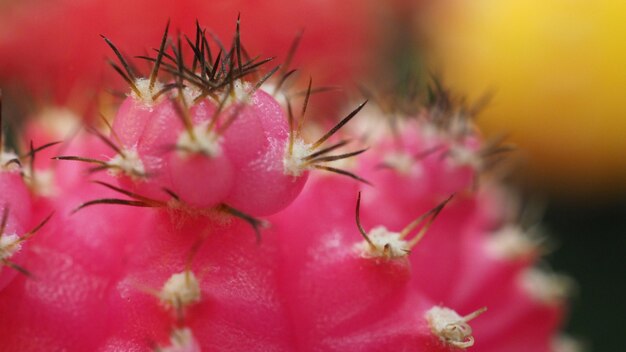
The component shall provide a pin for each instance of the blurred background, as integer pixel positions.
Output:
(553, 71)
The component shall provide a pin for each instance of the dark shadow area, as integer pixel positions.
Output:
(592, 249)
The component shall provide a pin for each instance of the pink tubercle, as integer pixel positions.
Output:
(256, 144)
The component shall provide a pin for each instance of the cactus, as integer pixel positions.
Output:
(213, 214)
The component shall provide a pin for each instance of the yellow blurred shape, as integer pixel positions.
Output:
(558, 72)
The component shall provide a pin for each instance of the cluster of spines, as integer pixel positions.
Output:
(217, 79)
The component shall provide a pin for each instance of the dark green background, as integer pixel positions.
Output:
(592, 249)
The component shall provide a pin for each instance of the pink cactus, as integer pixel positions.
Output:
(405, 247)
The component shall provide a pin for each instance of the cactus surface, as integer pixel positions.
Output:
(212, 213)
